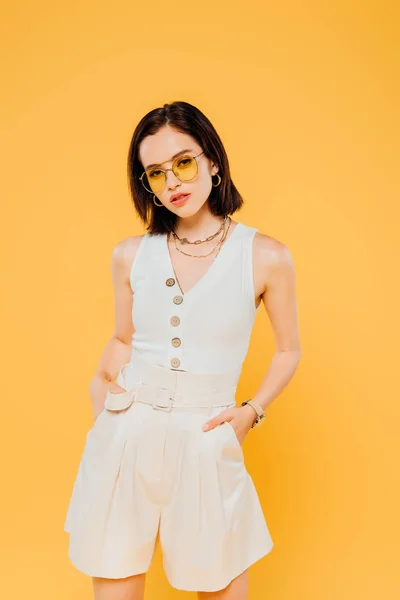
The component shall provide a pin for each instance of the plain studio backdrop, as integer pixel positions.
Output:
(305, 96)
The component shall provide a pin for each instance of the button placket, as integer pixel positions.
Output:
(175, 348)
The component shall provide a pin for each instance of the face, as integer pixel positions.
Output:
(158, 149)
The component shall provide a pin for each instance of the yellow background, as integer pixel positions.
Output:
(305, 96)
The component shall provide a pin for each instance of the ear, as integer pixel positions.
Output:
(214, 168)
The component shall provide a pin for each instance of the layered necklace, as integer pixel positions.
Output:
(225, 225)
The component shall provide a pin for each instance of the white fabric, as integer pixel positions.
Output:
(216, 315)
(147, 465)
(146, 469)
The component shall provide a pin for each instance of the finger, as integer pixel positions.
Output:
(214, 422)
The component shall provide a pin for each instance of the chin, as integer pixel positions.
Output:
(186, 211)
(191, 209)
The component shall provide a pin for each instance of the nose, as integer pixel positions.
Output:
(172, 179)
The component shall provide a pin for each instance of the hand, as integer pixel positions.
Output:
(241, 418)
(99, 386)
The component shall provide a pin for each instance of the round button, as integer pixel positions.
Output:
(176, 342)
(170, 281)
(175, 321)
(178, 299)
(175, 362)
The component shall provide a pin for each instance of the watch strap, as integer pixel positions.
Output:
(258, 410)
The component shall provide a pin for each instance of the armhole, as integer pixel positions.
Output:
(135, 260)
(250, 269)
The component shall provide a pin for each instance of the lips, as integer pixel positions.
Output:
(178, 197)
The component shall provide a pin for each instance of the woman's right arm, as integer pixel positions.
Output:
(118, 349)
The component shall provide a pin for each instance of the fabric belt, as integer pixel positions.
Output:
(164, 399)
(165, 389)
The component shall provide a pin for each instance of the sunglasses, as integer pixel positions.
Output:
(185, 168)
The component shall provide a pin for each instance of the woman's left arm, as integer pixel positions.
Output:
(275, 285)
(275, 274)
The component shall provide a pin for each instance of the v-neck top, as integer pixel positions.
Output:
(208, 328)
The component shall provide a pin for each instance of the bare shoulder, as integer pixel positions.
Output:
(272, 258)
(123, 254)
(270, 251)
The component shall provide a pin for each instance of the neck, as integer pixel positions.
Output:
(198, 226)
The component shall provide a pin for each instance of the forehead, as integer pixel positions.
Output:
(160, 147)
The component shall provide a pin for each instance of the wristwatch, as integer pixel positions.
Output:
(258, 410)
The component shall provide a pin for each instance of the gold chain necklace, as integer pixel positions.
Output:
(217, 246)
(184, 240)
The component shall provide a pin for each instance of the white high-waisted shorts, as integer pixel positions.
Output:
(148, 469)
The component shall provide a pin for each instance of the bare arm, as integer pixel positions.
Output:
(275, 284)
(275, 276)
(118, 348)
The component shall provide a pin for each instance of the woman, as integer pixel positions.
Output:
(164, 454)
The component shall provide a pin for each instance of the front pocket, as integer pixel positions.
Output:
(233, 434)
(119, 400)
(115, 402)
(231, 458)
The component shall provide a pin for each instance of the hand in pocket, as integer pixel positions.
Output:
(99, 389)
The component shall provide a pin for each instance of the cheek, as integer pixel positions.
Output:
(203, 182)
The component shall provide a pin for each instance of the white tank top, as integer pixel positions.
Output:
(207, 329)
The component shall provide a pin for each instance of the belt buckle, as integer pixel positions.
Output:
(156, 405)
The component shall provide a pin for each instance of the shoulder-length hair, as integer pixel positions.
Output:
(223, 200)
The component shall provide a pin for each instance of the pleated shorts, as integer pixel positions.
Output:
(148, 469)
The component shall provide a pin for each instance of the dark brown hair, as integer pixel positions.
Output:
(223, 200)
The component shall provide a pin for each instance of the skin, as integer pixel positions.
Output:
(275, 287)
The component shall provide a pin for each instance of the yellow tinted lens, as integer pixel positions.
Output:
(155, 179)
(185, 167)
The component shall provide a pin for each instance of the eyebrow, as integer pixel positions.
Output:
(172, 157)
